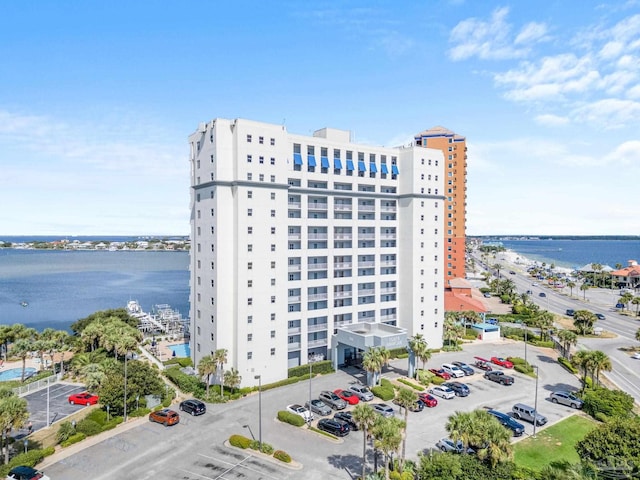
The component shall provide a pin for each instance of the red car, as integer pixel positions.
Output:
(350, 397)
(503, 362)
(429, 400)
(438, 372)
(84, 398)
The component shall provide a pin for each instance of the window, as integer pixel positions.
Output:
(273, 230)
(273, 264)
(273, 161)
(273, 195)
(250, 266)
(249, 355)
(273, 334)
(249, 230)
(249, 176)
(249, 301)
(250, 248)
(249, 212)
(212, 337)
(248, 138)
(273, 141)
(249, 283)
(248, 158)
(273, 282)
(273, 247)
(261, 160)
(273, 299)
(249, 337)
(273, 351)
(273, 317)
(250, 319)
(260, 140)
(273, 180)
(261, 177)
(273, 213)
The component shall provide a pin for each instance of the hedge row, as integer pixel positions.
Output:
(325, 366)
(286, 381)
(239, 441)
(243, 442)
(266, 448)
(384, 391)
(290, 418)
(75, 438)
(186, 383)
(30, 459)
(411, 384)
(282, 456)
(567, 364)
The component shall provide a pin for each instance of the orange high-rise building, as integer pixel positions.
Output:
(454, 149)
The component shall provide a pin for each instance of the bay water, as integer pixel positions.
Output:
(58, 287)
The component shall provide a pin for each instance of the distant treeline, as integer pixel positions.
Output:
(554, 237)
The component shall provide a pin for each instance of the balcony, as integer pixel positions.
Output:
(294, 205)
(317, 206)
(293, 346)
(388, 236)
(341, 207)
(295, 268)
(389, 290)
(367, 263)
(342, 265)
(294, 236)
(366, 208)
(388, 318)
(318, 343)
(388, 263)
(293, 330)
(316, 297)
(342, 236)
(318, 327)
(366, 291)
(294, 298)
(316, 266)
(317, 236)
(388, 208)
(342, 294)
(366, 236)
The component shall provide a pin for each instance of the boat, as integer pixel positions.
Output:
(24, 304)
(164, 320)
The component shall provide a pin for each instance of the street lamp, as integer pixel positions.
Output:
(535, 404)
(125, 387)
(26, 444)
(310, 374)
(259, 378)
(107, 413)
(247, 426)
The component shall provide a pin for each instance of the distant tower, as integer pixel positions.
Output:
(454, 149)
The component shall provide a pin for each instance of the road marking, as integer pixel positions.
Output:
(238, 464)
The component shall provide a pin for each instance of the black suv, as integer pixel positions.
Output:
(460, 389)
(193, 406)
(465, 368)
(334, 427)
(347, 418)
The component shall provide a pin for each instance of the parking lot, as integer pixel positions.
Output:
(56, 397)
(195, 447)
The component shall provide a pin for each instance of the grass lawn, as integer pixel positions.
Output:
(554, 443)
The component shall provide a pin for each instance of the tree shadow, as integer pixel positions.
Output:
(352, 464)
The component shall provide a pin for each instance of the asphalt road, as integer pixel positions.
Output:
(195, 450)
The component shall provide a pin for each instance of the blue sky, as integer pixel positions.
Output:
(97, 100)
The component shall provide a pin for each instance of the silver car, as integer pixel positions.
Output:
(319, 407)
(566, 398)
(363, 393)
(447, 445)
(333, 400)
(383, 409)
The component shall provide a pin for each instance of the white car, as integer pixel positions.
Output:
(452, 370)
(362, 392)
(383, 409)
(636, 356)
(442, 392)
(300, 410)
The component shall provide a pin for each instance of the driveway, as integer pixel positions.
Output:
(194, 449)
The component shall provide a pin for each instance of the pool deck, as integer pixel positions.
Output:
(164, 352)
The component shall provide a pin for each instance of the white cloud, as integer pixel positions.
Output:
(610, 112)
(551, 120)
(627, 153)
(532, 32)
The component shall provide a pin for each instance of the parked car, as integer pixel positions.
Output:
(193, 406)
(460, 389)
(438, 372)
(529, 292)
(429, 400)
(525, 412)
(499, 376)
(447, 445)
(333, 400)
(347, 418)
(534, 284)
(636, 356)
(600, 316)
(566, 398)
(334, 427)
(486, 295)
(363, 393)
(300, 410)
(570, 312)
(452, 370)
(348, 396)
(165, 416)
(516, 427)
(483, 364)
(84, 398)
(465, 368)
(417, 406)
(492, 321)
(511, 272)
(503, 362)
(542, 294)
(319, 407)
(443, 392)
(619, 305)
(383, 409)
(26, 473)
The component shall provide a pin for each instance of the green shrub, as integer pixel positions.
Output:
(567, 364)
(383, 393)
(424, 376)
(282, 456)
(386, 383)
(290, 418)
(75, 438)
(437, 380)
(186, 383)
(267, 449)
(518, 360)
(140, 412)
(99, 416)
(601, 417)
(31, 459)
(526, 369)
(325, 366)
(611, 403)
(286, 381)
(240, 441)
(322, 432)
(411, 384)
(88, 427)
(65, 431)
(398, 352)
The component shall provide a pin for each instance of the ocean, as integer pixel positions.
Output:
(577, 253)
(60, 287)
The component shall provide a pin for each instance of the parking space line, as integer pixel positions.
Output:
(238, 464)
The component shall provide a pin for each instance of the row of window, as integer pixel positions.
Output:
(272, 141)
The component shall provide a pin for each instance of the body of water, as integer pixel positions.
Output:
(60, 287)
(577, 253)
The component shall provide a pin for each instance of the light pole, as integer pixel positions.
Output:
(310, 374)
(535, 403)
(108, 413)
(259, 378)
(125, 387)
(247, 426)
(26, 444)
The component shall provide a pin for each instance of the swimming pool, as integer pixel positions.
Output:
(16, 374)
(180, 350)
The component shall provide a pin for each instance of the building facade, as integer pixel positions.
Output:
(295, 237)
(454, 149)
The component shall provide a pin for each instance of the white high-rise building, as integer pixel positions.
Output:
(295, 239)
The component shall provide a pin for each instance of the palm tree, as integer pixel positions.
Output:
(365, 417)
(582, 360)
(636, 302)
(571, 286)
(372, 362)
(568, 339)
(420, 349)
(207, 367)
(13, 415)
(497, 267)
(22, 348)
(583, 288)
(638, 335)
(388, 436)
(626, 298)
(600, 361)
(232, 379)
(406, 398)
(220, 357)
(452, 330)
(583, 320)
(544, 321)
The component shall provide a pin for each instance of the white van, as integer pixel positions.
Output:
(452, 370)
